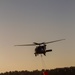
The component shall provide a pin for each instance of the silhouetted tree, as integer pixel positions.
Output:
(57, 71)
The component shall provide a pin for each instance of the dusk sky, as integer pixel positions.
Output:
(28, 21)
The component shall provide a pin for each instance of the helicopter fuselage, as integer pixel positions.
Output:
(41, 50)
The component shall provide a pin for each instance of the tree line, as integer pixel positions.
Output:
(57, 71)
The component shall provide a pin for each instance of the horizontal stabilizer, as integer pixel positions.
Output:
(49, 50)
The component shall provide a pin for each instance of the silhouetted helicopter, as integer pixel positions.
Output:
(40, 47)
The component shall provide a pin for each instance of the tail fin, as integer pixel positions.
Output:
(49, 50)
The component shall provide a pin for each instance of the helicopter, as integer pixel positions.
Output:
(40, 47)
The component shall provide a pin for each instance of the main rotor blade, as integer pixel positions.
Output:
(34, 44)
(53, 41)
(26, 45)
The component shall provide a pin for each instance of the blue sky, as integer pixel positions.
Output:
(28, 21)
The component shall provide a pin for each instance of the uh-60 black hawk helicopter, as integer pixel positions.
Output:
(40, 47)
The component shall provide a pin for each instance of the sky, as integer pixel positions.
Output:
(28, 21)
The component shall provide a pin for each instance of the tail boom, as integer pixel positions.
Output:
(49, 50)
